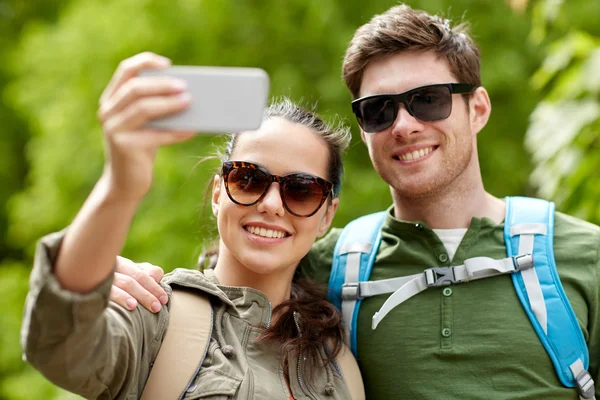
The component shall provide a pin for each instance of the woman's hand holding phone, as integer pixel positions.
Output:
(127, 104)
(141, 112)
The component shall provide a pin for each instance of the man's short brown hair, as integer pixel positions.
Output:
(403, 29)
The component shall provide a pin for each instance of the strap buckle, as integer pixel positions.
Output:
(522, 262)
(585, 385)
(439, 276)
(351, 291)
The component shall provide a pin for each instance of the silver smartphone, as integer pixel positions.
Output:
(224, 99)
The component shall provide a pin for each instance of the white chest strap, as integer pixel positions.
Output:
(526, 234)
(405, 287)
(350, 287)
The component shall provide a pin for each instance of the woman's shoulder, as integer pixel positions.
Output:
(185, 275)
(194, 280)
(189, 278)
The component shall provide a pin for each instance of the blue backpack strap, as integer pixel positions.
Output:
(529, 228)
(353, 259)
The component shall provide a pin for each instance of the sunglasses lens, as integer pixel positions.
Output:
(302, 194)
(377, 113)
(246, 184)
(432, 103)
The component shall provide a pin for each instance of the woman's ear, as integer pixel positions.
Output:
(328, 217)
(216, 195)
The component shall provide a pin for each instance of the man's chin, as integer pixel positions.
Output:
(414, 189)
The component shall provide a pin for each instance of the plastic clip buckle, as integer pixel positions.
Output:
(522, 262)
(351, 291)
(585, 385)
(439, 276)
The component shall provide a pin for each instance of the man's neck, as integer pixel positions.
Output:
(454, 208)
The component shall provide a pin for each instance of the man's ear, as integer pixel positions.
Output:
(363, 136)
(216, 195)
(328, 217)
(480, 109)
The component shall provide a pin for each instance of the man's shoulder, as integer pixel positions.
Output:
(576, 239)
(568, 227)
(322, 250)
(327, 242)
(317, 263)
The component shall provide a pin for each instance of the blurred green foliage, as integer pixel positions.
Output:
(564, 134)
(14, 15)
(58, 56)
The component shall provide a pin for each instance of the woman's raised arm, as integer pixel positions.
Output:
(98, 232)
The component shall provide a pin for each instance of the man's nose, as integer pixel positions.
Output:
(405, 124)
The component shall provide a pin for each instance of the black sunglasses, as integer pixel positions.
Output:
(426, 103)
(302, 194)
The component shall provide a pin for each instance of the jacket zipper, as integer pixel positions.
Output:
(269, 312)
(298, 366)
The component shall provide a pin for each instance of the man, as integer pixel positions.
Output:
(468, 341)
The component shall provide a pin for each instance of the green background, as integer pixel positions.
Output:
(540, 64)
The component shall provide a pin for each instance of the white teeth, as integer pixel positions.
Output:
(414, 155)
(268, 233)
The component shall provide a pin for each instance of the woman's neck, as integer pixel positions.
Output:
(276, 285)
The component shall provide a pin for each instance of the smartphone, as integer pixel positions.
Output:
(224, 99)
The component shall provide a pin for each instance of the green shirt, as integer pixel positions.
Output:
(472, 340)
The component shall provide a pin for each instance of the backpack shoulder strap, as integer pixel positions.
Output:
(183, 348)
(351, 374)
(529, 229)
(353, 259)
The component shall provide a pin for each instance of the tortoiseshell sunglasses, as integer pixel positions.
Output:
(302, 194)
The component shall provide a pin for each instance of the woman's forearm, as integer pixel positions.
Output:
(94, 239)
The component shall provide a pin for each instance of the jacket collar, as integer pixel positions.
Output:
(249, 304)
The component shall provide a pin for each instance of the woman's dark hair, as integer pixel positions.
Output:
(307, 320)
(337, 138)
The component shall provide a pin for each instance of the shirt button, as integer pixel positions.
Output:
(443, 257)
(446, 332)
(447, 292)
(419, 227)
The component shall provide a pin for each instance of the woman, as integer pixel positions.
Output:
(275, 194)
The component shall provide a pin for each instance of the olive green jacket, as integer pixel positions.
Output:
(95, 348)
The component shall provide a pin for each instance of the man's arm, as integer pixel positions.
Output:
(594, 326)
(138, 282)
(577, 254)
